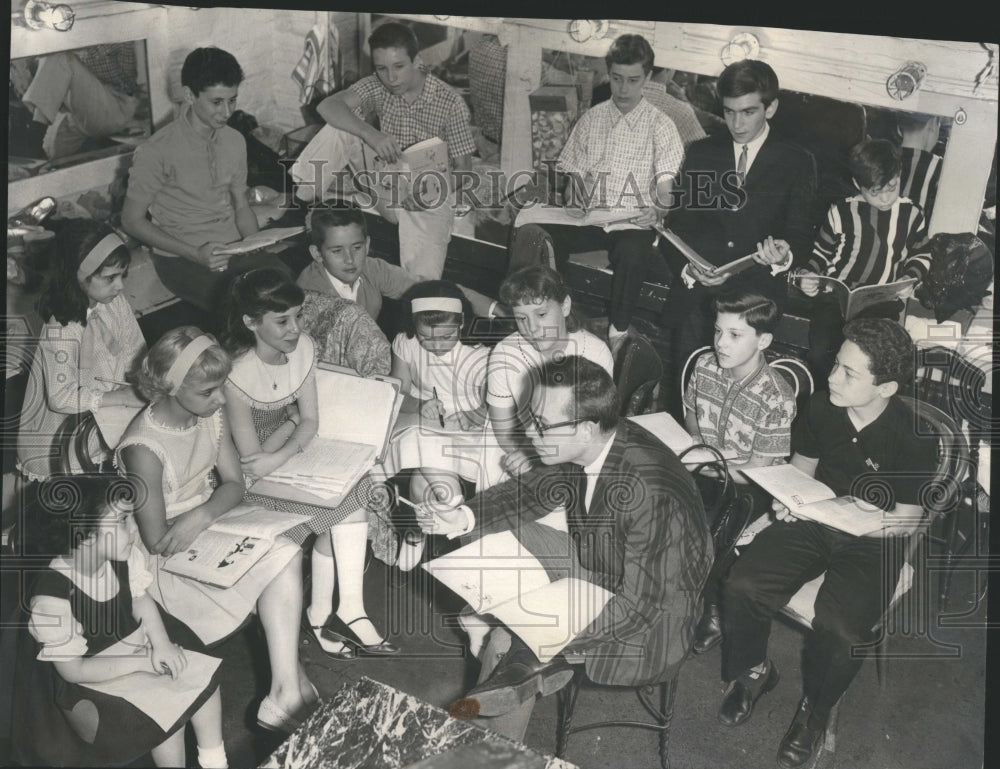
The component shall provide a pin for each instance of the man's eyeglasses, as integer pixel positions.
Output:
(541, 428)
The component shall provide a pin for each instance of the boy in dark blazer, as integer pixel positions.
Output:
(742, 192)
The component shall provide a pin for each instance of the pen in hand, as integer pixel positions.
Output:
(440, 409)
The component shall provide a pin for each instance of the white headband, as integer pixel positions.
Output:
(92, 262)
(441, 303)
(182, 364)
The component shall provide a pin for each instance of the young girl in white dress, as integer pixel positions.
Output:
(89, 341)
(443, 381)
(180, 449)
(271, 403)
(92, 623)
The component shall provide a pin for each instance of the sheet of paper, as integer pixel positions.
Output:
(548, 617)
(218, 559)
(789, 485)
(162, 698)
(844, 513)
(489, 571)
(675, 437)
(256, 521)
(354, 408)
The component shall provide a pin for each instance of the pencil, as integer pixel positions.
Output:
(110, 381)
(440, 414)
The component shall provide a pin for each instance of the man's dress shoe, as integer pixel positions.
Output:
(801, 741)
(708, 633)
(744, 693)
(517, 678)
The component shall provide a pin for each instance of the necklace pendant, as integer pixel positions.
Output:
(275, 385)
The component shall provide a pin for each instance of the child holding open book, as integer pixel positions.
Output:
(271, 403)
(443, 380)
(179, 448)
(93, 623)
(872, 238)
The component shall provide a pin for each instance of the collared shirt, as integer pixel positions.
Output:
(628, 152)
(753, 147)
(593, 470)
(114, 65)
(862, 245)
(346, 290)
(188, 181)
(752, 417)
(437, 111)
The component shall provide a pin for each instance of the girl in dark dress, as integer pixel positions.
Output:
(99, 681)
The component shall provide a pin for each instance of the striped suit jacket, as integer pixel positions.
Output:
(644, 538)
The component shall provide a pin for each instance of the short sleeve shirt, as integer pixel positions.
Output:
(630, 152)
(438, 111)
(458, 376)
(752, 416)
(509, 379)
(188, 181)
(883, 456)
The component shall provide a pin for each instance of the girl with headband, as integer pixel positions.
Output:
(272, 405)
(180, 452)
(88, 343)
(443, 380)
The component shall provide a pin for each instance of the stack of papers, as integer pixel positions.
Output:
(676, 438)
(327, 468)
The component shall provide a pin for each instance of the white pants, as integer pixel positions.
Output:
(423, 234)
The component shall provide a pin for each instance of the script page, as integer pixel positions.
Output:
(217, 558)
(675, 437)
(789, 485)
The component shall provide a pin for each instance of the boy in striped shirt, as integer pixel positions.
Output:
(872, 238)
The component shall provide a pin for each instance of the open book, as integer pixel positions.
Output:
(227, 549)
(805, 497)
(261, 239)
(356, 415)
(609, 219)
(730, 268)
(676, 438)
(854, 300)
(497, 575)
(421, 170)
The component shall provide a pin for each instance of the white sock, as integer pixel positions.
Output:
(213, 758)
(613, 331)
(323, 578)
(477, 629)
(349, 543)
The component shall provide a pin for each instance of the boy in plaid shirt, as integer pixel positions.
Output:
(411, 105)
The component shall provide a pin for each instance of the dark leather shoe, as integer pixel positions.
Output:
(708, 633)
(336, 629)
(743, 694)
(515, 680)
(801, 741)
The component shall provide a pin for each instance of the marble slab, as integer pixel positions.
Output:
(371, 725)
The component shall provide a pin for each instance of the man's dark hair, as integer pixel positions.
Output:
(323, 218)
(207, 67)
(760, 313)
(392, 34)
(874, 162)
(630, 49)
(595, 397)
(748, 76)
(889, 349)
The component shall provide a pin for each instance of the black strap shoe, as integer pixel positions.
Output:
(801, 741)
(708, 633)
(744, 692)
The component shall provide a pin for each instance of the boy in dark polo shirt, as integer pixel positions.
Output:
(858, 436)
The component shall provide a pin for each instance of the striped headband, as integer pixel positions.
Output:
(441, 303)
(182, 364)
(92, 262)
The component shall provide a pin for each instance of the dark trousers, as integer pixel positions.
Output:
(631, 254)
(206, 289)
(861, 575)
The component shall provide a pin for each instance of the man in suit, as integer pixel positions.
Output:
(741, 193)
(633, 524)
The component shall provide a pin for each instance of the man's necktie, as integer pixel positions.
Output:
(741, 166)
(581, 491)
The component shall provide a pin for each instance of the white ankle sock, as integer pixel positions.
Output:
(477, 629)
(213, 758)
(323, 579)
(349, 543)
